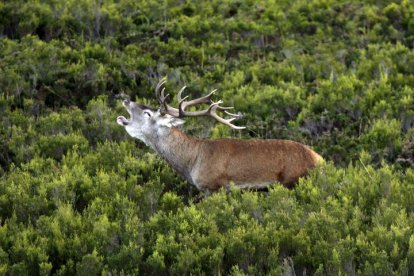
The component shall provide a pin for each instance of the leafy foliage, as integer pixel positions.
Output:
(77, 196)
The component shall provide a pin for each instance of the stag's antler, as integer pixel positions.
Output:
(183, 104)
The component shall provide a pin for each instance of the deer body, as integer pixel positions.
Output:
(212, 164)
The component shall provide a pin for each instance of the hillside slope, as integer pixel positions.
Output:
(78, 196)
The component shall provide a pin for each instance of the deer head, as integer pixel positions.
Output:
(145, 121)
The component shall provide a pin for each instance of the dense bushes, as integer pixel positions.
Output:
(78, 196)
(66, 218)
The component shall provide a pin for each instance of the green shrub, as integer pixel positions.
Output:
(79, 196)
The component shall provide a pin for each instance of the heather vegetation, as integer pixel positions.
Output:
(80, 197)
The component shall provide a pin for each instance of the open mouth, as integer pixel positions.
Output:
(121, 120)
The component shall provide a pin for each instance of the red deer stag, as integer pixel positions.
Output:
(212, 164)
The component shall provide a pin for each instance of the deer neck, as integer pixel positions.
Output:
(178, 149)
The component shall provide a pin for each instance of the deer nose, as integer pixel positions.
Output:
(126, 102)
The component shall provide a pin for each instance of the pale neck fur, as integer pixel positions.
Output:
(178, 149)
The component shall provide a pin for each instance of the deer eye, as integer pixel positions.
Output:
(147, 113)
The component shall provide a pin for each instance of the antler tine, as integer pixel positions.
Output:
(158, 88)
(202, 100)
(212, 113)
(238, 116)
(181, 108)
(223, 108)
(162, 99)
(180, 93)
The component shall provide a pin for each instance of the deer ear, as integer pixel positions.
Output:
(177, 122)
(169, 121)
